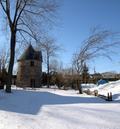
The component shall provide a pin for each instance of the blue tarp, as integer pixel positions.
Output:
(102, 81)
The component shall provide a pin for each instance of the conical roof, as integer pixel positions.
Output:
(31, 54)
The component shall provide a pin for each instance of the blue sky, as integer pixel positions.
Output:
(77, 17)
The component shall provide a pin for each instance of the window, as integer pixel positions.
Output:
(32, 63)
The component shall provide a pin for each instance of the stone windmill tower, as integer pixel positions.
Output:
(29, 68)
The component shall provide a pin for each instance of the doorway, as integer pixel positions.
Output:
(32, 83)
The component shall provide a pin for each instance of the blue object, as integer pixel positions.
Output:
(102, 81)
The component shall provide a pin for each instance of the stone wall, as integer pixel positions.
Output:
(26, 73)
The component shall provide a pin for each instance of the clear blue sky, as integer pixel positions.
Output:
(77, 18)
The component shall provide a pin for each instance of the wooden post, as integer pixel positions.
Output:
(108, 96)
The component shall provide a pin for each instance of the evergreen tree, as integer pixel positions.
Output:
(85, 74)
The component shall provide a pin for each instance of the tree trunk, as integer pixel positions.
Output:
(48, 74)
(79, 87)
(11, 62)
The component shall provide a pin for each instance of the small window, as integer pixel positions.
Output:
(32, 63)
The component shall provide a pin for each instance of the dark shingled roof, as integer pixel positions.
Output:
(31, 54)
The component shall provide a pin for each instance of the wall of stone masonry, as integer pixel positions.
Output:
(26, 72)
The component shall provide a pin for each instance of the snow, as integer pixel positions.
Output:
(88, 86)
(113, 87)
(58, 109)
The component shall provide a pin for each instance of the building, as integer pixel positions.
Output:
(29, 68)
(111, 76)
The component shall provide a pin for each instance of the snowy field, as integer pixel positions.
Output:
(58, 109)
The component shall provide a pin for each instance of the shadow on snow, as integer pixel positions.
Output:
(30, 102)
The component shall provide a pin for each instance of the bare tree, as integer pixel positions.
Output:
(50, 49)
(4, 57)
(54, 65)
(78, 65)
(99, 43)
(24, 18)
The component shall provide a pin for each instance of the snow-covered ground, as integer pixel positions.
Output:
(58, 109)
(113, 87)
